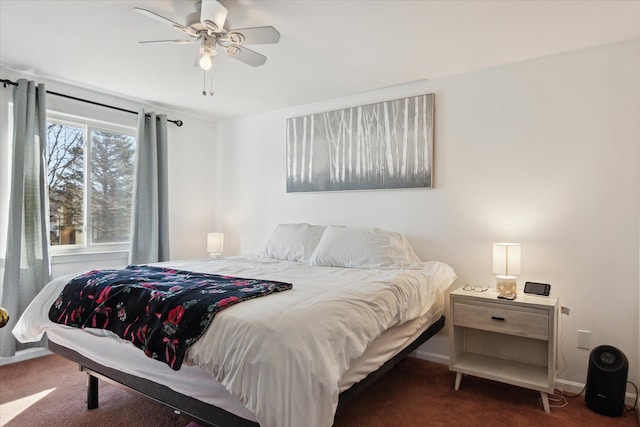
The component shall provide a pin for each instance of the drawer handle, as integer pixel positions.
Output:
(497, 318)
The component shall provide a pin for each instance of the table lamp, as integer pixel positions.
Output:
(506, 264)
(215, 244)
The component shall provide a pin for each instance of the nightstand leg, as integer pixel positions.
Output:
(458, 379)
(545, 402)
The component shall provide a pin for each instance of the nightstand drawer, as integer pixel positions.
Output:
(502, 318)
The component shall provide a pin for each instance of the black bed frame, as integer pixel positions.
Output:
(201, 412)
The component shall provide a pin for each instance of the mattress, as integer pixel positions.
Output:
(352, 322)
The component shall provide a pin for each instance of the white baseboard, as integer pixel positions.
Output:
(570, 386)
(431, 357)
(565, 385)
(22, 355)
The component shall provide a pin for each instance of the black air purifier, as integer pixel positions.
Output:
(606, 380)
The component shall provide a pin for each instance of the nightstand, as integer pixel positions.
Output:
(514, 342)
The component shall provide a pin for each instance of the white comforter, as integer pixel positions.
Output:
(283, 354)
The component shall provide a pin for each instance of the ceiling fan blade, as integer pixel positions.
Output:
(255, 35)
(168, 41)
(213, 15)
(167, 21)
(245, 55)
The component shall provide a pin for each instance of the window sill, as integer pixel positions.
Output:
(22, 355)
(89, 257)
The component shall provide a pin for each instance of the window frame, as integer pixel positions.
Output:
(87, 124)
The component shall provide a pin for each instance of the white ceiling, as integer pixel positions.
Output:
(327, 48)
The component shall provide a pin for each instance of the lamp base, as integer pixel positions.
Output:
(4, 317)
(506, 284)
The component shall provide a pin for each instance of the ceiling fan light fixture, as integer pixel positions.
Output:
(208, 50)
(205, 62)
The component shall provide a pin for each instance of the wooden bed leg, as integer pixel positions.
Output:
(92, 392)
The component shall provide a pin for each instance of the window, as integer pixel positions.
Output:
(90, 173)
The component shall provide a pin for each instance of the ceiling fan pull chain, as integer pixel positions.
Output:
(204, 82)
(211, 82)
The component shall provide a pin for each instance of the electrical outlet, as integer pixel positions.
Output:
(583, 339)
(565, 310)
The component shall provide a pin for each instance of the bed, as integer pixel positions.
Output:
(361, 301)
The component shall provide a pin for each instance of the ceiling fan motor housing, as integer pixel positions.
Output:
(212, 15)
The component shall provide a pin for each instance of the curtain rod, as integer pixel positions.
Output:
(6, 82)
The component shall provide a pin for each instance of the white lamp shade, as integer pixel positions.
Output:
(506, 259)
(215, 243)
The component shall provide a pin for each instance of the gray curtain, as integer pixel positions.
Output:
(150, 215)
(27, 262)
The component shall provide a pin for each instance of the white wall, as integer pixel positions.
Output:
(542, 152)
(192, 197)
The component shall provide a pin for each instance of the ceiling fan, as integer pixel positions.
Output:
(209, 26)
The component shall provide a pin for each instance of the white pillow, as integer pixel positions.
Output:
(364, 248)
(293, 242)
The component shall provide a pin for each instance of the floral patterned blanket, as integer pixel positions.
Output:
(162, 311)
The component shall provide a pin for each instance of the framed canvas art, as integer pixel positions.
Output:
(377, 146)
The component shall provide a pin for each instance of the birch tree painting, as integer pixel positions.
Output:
(383, 145)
